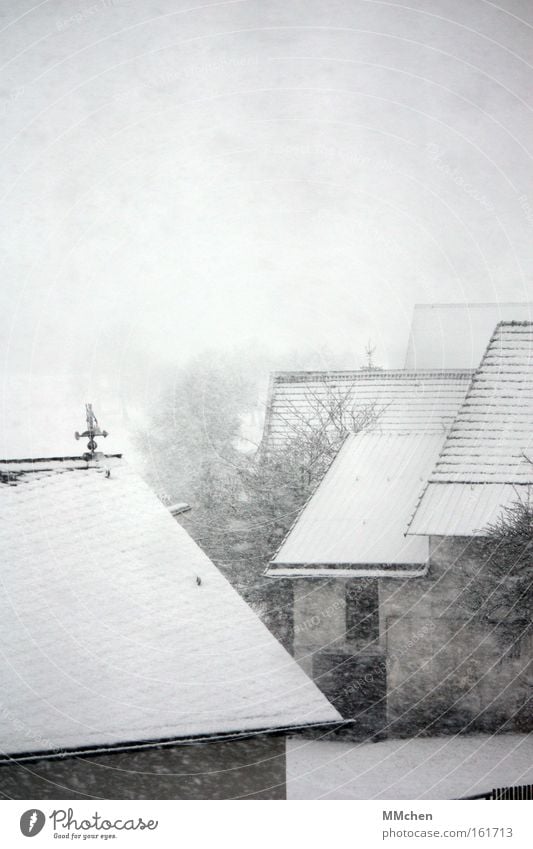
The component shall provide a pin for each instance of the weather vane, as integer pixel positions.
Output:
(370, 350)
(93, 429)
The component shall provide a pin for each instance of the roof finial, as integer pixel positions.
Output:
(93, 430)
(370, 350)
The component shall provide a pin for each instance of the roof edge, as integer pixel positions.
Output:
(356, 570)
(79, 458)
(347, 374)
(165, 742)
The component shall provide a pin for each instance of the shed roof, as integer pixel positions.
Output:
(455, 335)
(116, 628)
(355, 522)
(483, 465)
(395, 400)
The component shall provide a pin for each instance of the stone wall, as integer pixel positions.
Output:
(252, 768)
(447, 671)
(348, 670)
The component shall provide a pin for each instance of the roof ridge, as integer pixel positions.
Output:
(302, 374)
(514, 323)
(65, 459)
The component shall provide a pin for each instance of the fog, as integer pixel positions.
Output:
(285, 177)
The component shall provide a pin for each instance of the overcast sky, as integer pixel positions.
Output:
(182, 175)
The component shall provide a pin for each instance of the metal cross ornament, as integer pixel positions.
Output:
(93, 429)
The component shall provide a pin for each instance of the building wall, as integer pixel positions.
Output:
(351, 672)
(445, 670)
(251, 768)
(319, 618)
(433, 669)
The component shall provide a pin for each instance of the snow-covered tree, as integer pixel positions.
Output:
(243, 502)
(503, 593)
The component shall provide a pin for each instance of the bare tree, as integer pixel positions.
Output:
(316, 428)
(278, 480)
(244, 504)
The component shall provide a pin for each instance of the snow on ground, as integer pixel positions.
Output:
(418, 768)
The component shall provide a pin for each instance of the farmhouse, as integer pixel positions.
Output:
(380, 616)
(130, 668)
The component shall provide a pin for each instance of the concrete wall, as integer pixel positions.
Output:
(350, 672)
(252, 768)
(445, 670)
(319, 618)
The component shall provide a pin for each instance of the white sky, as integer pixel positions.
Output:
(183, 175)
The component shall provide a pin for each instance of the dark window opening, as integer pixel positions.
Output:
(362, 611)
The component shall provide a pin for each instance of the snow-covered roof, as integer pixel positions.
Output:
(483, 465)
(355, 522)
(116, 628)
(452, 336)
(178, 508)
(395, 400)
